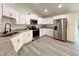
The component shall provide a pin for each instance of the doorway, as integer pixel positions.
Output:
(77, 31)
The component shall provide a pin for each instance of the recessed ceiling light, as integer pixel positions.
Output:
(59, 6)
(45, 10)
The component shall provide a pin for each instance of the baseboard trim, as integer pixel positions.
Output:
(59, 40)
(70, 41)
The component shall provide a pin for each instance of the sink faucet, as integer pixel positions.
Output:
(7, 28)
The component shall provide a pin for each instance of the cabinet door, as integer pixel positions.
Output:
(14, 41)
(42, 21)
(17, 42)
(51, 32)
(46, 31)
(42, 32)
(17, 18)
(0, 13)
(20, 40)
(12, 13)
(27, 19)
(28, 37)
(22, 19)
(6, 10)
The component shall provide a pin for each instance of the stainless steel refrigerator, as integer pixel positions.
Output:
(60, 29)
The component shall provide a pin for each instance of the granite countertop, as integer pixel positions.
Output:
(21, 31)
(46, 27)
(18, 30)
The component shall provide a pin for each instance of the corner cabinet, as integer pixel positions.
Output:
(17, 41)
(46, 31)
(50, 32)
(28, 36)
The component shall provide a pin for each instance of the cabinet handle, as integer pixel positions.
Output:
(18, 40)
(10, 14)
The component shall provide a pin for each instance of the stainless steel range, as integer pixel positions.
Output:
(35, 32)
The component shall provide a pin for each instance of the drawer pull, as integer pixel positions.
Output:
(10, 14)
(18, 40)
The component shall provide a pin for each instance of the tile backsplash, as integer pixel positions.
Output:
(8, 20)
(13, 27)
(13, 24)
(18, 26)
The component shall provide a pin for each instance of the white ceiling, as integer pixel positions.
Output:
(53, 9)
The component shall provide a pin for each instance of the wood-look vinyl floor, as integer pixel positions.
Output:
(47, 46)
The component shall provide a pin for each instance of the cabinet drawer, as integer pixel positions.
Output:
(15, 44)
(20, 41)
(28, 37)
(17, 41)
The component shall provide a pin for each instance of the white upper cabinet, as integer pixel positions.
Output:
(27, 19)
(17, 18)
(5, 10)
(22, 19)
(42, 21)
(45, 21)
(0, 12)
(32, 16)
(8, 11)
(12, 13)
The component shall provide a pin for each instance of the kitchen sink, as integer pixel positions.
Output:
(9, 34)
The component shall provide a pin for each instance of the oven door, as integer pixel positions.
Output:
(35, 33)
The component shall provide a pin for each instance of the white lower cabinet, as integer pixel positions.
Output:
(42, 32)
(49, 32)
(46, 31)
(17, 42)
(28, 36)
